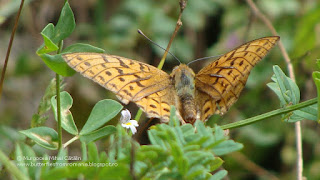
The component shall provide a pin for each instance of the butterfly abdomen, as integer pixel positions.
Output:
(188, 108)
(184, 84)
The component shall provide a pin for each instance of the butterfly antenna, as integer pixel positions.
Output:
(140, 32)
(203, 58)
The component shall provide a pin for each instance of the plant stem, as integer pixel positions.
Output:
(11, 167)
(70, 141)
(59, 129)
(58, 111)
(183, 4)
(268, 23)
(138, 115)
(9, 47)
(84, 151)
(270, 114)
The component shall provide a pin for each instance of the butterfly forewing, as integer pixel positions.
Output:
(219, 84)
(147, 86)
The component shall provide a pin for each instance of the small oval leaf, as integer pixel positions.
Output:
(80, 47)
(101, 113)
(67, 121)
(105, 131)
(43, 136)
(66, 23)
(57, 64)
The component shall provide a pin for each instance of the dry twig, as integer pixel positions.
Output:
(9, 47)
(267, 22)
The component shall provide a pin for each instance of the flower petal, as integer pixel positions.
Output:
(133, 129)
(134, 123)
(125, 125)
(125, 116)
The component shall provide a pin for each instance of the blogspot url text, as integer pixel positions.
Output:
(55, 164)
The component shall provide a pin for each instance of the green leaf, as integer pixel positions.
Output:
(219, 175)
(80, 47)
(31, 156)
(53, 35)
(216, 163)
(105, 131)
(45, 169)
(305, 34)
(316, 79)
(318, 64)
(84, 151)
(201, 128)
(48, 31)
(93, 155)
(196, 172)
(121, 171)
(189, 151)
(67, 121)
(56, 173)
(174, 121)
(289, 94)
(61, 157)
(179, 158)
(57, 64)
(48, 46)
(20, 158)
(224, 146)
(227, 147)
(219, 133)
(101, 113)
(41, 116)
(65, 25)
(275, 88)
(187, 130)
(9, 135)
(43, 136)
(289, 90)
(310, 113)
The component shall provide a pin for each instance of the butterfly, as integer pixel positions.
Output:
(196, 96)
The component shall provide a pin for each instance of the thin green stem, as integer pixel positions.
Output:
(11, 167)
(316, 79)
(58, 110)
(59, 128)
(138, 115)
(84, 151)
(269, 114)
(70, 141)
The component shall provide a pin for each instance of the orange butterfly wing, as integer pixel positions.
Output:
(219, 84)
(150, 88)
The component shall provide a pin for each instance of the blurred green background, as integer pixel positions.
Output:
(210, 27)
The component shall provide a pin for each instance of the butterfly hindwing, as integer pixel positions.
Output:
(219, 84)
(150, 88)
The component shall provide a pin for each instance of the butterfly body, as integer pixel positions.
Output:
(183, 79)
(196, 96)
